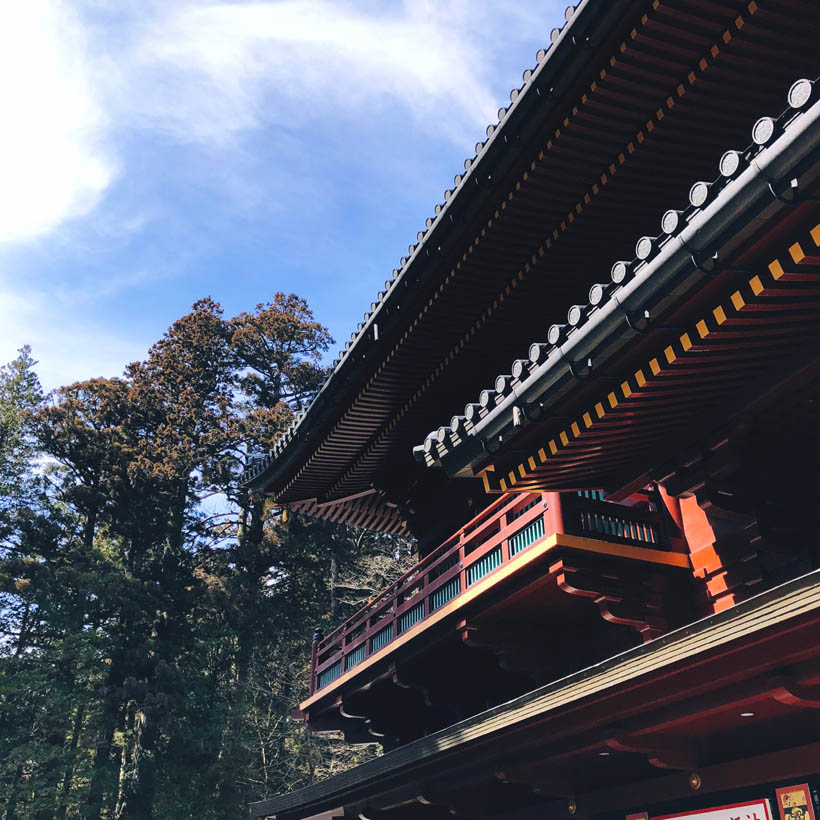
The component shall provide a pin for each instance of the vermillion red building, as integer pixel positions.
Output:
(611, 325)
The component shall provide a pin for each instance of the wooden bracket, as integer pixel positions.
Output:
(343, 711)
(671, 753)
(793, 694)
(512, 655)
(396, 678)
(632, 601)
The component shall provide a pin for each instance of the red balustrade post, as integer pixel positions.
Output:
(424, 594)
(671, 530)
(555, 513)
(394, 608)
(503, 529)
(314, 654)
(462, 582)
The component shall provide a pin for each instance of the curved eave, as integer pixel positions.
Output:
(673, 271)
(368, 510)
(570, 49)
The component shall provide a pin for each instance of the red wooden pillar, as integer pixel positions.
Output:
(554, 514)
(673, 521)
(723, 553)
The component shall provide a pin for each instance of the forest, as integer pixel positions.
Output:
(155, 617)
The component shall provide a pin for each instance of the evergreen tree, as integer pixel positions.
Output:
(20, 394)
(155, 616)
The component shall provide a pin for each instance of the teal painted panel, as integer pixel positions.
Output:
(484, 565)
(529, 535)
(330, 674)
(381, 638)
(411, 617)
(356, 656)
(445, 593)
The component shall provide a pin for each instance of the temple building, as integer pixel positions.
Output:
(591, 392)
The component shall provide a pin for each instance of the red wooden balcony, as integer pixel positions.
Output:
(571, 539)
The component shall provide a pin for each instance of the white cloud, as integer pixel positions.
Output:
(210, 71)
(78, 78)
(52, 165)
(88, 85)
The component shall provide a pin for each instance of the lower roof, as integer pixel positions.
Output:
(770, 614)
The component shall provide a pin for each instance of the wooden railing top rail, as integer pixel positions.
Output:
(425, 564)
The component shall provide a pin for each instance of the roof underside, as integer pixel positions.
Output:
(640, 110)
(717, 366)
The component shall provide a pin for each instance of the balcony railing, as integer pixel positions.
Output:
(493, 539)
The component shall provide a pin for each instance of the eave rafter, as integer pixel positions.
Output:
(369, 510)
(615, 71)
(774, 312)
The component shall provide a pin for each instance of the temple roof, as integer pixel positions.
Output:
(574, 32)
(631, 102)
(690, 249)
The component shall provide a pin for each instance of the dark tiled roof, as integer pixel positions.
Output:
(461, 441)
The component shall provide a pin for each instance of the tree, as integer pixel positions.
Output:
(20, 395)
(276, 351)
(180, 426)
(156, 616)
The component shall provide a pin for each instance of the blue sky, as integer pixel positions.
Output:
(155, 152)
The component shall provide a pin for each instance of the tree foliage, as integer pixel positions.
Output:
(155, 617)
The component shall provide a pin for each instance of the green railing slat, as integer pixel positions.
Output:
(411, 617)
(356, 656)
(330, 674)
(529, 535)
(381, 638)
(484, 565)
(445, 593)
(605, 524)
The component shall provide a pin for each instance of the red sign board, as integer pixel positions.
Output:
(794, 803)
